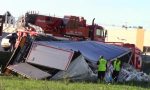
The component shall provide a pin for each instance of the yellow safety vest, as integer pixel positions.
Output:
(117, 65)
(102, 65)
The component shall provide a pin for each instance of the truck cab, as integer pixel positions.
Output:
(97, 33)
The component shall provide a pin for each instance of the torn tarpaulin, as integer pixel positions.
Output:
(91, 50)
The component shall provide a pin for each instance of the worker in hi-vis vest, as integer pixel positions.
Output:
(117, 68)
(102, 66)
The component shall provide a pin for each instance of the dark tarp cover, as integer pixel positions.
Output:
(91, 50)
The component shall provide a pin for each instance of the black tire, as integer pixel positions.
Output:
(6, 49)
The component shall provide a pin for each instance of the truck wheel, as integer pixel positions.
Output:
(6, 49)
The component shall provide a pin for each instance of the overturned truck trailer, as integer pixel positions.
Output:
(63, 59)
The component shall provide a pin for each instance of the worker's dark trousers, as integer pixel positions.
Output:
(115, 75)
(101, 75)
(12, 48)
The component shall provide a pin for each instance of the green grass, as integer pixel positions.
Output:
(16, 83)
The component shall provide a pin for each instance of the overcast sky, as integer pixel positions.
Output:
(108, 12)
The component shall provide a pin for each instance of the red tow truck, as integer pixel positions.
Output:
(72, 27)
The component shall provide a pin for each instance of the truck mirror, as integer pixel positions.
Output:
(105, 31)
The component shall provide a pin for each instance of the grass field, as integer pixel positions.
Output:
(16, 83)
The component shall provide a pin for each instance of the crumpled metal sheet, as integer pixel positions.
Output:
(29, 71)
(77, 70)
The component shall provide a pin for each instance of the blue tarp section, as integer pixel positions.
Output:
(91, 50)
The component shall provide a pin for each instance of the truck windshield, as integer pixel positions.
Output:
(99, 32)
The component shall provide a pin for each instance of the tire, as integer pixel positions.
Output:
(6, 49)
